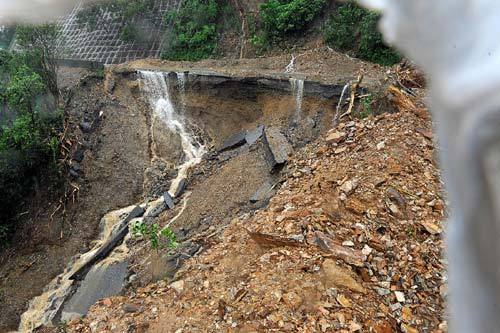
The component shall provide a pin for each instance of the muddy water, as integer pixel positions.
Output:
(155, 86)
(42, 310)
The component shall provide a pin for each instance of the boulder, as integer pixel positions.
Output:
(234, 141)
(254, 135)
(169, 201)
(279, 148)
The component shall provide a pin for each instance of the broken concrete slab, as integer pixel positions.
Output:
(169, 201)
(254, 135)
(234, 141)
(279, 148)
(102, 281)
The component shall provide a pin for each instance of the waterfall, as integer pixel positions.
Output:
(298, 92)
(155, 86)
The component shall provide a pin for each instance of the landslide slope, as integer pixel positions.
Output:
(350, 243)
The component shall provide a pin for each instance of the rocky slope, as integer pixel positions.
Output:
(350, 243)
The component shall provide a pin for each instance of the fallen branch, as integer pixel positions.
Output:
(354, 89)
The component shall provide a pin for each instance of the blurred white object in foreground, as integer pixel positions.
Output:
(456, 43)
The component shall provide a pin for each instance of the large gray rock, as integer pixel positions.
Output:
(254, 135)
(234, 141)
(280, 149)
(102, 281)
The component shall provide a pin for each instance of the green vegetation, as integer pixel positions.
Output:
(281, 18)
(29, 138)
(193, 34)
(354, 29)
(164, 238)
(129, 11)
(40, 43)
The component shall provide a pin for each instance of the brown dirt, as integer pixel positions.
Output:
(369, 196)
(112, 178)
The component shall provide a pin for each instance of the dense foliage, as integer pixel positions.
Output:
(193, 31)
(29, 142)
(132, 12)
(354, 29)
(280, 18)
(40, 43)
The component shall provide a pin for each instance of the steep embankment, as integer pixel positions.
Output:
(351, 242)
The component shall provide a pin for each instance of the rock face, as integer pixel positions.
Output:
(279, 147)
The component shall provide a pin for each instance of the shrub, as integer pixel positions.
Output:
(354, 29)
(282, 17)
(193, 35)
(28, 145)
(157, 238)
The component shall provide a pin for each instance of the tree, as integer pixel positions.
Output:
(43, 40)
(25, 86)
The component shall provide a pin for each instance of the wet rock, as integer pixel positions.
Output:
(254, 135)
(234, 141)
(102, 281)
(179, 188)
(279, 147)
(169, 201)
(86, 127)
(157, 207)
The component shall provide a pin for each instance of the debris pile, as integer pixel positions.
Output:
(350, 243)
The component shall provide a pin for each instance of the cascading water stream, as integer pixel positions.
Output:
(156, 87)
(298, 92)
(43, 309)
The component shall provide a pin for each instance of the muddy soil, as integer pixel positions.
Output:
(111, 177)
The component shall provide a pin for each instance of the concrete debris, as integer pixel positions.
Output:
(279, 147)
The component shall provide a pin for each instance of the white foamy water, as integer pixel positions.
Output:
(298, 92)
(155, 87)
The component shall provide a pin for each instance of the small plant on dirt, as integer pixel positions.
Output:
(366, 107)
(354, 29)
(159, 239)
